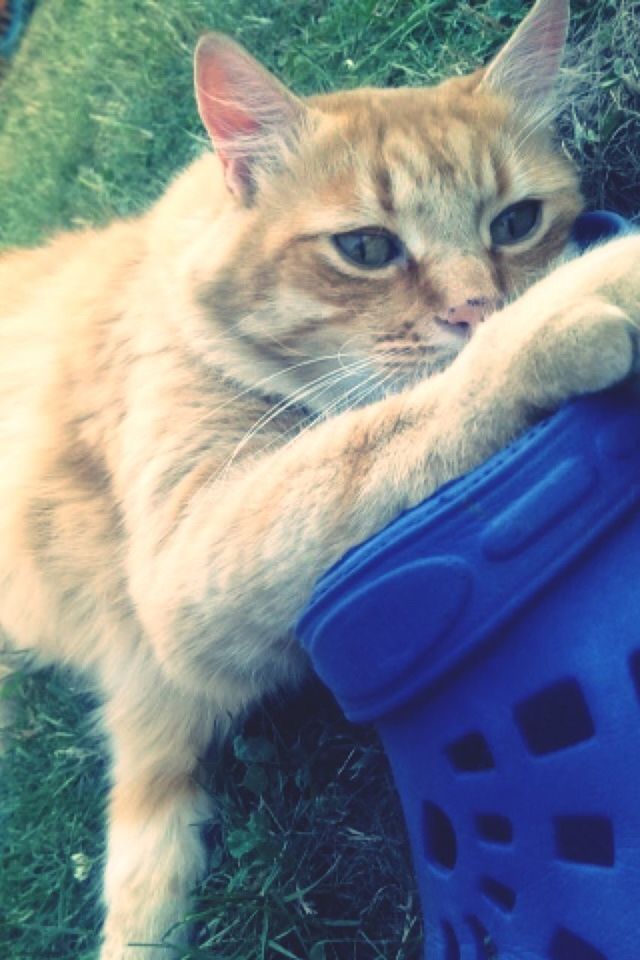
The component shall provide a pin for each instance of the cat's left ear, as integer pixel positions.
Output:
(251, 117)
(527, 67)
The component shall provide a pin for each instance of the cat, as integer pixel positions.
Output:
(347, 304)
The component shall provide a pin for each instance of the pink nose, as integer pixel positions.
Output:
(473, 311)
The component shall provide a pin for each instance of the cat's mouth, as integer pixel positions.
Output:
(455, 332)
(462, 321)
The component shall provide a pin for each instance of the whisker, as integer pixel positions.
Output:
(213, 412)
(375, 379)
(324, 382)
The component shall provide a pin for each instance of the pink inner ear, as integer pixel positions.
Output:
(247, 112)
(240, 124)
(222, 113)
(220, 85)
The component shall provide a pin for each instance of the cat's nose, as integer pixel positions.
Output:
(472, 312)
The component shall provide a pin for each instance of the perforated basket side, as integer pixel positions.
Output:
(520, 778)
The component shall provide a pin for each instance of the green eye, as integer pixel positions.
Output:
(370, 248)
(515, 223)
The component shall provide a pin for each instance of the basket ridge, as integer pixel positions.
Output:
(474, 556)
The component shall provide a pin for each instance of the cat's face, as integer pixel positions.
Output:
(388, 226)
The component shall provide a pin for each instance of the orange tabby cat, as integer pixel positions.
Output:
(204, 407)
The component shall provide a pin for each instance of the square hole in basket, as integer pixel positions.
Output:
(585, 839)
(451, 945)
(554, 718)
(499, 893)
(439, 836)
(486, 948)
(494, 828)
(634, 668)
(567, 946)
(470, 754)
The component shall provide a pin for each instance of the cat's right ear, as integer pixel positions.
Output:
(251, 117)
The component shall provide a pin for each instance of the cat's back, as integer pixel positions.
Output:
(55, 302)
(49, 287)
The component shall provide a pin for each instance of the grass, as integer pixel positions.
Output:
(96, 112)
(50, 816)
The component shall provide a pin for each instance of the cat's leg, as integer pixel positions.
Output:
(157, 808)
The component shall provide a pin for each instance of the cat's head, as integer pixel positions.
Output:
(368, 232)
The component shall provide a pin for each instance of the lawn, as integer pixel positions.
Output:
(96, 113)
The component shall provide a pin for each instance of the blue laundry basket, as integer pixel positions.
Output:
(492, 634)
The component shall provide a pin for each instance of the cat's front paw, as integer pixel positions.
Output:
(574, 332)
(582, 348)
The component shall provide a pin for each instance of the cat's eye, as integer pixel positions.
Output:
(371, 248)
(515, 223)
